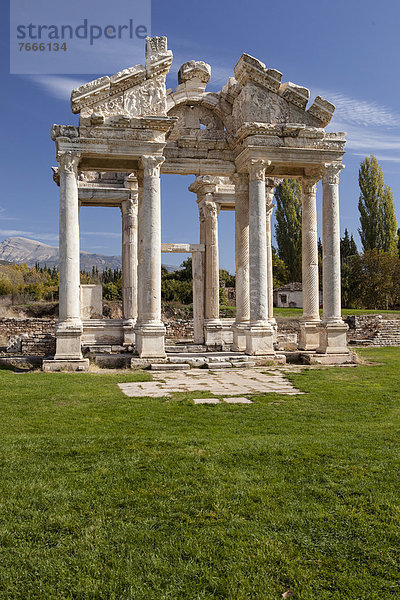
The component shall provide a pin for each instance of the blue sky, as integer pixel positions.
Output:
(347, 51)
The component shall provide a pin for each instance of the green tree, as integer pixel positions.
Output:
(375, 278)
(111, 291)
(280, 270)
(388, 231)
(348, 249)
(348, 246)
(377, 218)
(288, 226)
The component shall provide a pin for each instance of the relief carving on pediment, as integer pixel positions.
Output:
(146, 99)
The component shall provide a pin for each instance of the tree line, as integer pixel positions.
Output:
(371, 277)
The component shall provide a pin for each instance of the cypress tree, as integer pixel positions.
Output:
(377, 217)
(288, 226)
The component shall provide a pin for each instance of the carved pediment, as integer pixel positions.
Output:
(263, 98)
(138, 91)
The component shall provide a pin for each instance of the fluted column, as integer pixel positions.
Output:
(69, 328)
(198, 296)
(309, 333)
(211, 210)
(150, 330)
(333, 333)
(129, 209)
(212, 323)
(259, 339)
(270, 185)
(199, 276)
(241, 181)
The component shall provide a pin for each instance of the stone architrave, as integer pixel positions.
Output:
(69, 328)
(333, 329)
(150, 330)
(309, 324)
(241, 181)
(129, 210)
(259, 335)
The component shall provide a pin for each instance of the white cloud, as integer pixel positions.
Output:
(374, 139)
(361, 112)
(383, 158)
(14, 232)
(370, 128)
(46, 237)
(57, 86)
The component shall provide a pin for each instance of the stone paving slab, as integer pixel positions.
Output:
(222, 383)
(206, 401)
(237, 400)
(218, 401)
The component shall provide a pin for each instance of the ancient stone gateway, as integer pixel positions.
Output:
(238, 143)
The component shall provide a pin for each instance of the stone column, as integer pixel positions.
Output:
(150, 331)
(199, 278)
(69, 328)
(309, 332)
(259, 336)
(198, 296)
(212, 323)
(269, 192)
(129, 209)
(333, 331)
(241, 181)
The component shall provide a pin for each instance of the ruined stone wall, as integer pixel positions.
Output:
(179, 329)
(34, 336)
(28, 336)
(373, 330)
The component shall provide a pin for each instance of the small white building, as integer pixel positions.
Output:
(290, 295)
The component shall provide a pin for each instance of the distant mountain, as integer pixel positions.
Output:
(21, 250)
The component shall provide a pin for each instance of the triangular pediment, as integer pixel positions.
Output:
(137, 91)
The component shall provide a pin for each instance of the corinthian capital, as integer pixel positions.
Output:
(330, 172)
(257, 169)
(151, 165)
(68, 162)
(129, 208)
(208, 208)
(309, 185)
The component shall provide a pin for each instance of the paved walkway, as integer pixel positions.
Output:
(232, 382)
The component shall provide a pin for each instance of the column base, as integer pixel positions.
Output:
(55, 366)
(239, 336)
(309, 338)
(333, 338)
(68, 340)
(260, 340)
(149, 342)
(213, 333)
(129, 332)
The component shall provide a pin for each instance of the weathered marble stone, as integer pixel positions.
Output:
(238, 143)
(91, 301)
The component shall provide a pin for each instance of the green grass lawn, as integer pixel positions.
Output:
(107, 497)
(297, 312)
